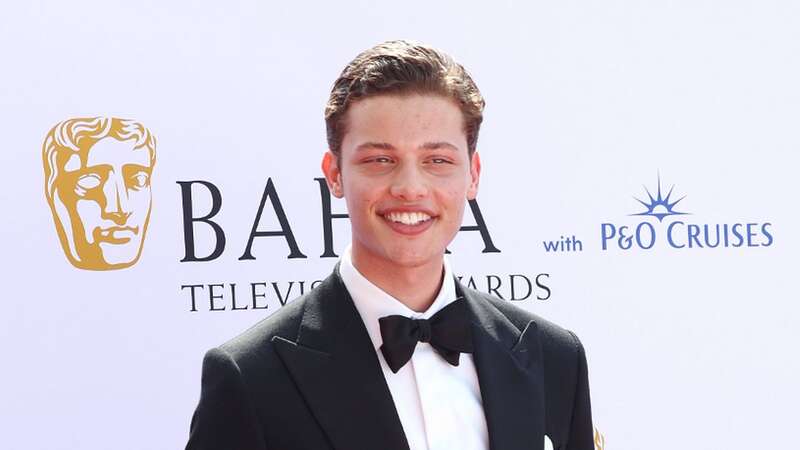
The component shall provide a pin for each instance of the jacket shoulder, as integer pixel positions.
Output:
(554, 338)
(284, 322)
(564, 371)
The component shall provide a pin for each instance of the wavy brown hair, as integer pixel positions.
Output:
(398, 68)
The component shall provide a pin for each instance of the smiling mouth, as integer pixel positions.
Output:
(407, 218)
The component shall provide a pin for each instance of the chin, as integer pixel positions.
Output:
(408, 257)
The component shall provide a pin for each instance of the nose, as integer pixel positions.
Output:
(117, 206)
(409, 184)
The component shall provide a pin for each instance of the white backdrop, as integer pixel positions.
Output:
(588, 103)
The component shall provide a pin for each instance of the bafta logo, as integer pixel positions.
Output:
(599, 440)
(97, 181)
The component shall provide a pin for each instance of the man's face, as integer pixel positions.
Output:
(405, 174)
(107, 196)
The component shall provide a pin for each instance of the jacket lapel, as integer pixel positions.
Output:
(338, 373)
(510, 375)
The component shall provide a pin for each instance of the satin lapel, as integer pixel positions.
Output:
(337, 371)
(510, 375)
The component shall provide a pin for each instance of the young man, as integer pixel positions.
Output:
(390, 351)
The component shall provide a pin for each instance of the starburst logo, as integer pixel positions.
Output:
(659, 207)
(680, 233)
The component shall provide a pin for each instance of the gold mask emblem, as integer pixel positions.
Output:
(97, 181)
(599, 440)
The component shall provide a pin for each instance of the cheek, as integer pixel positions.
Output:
(453, 189)
(139, 202)
(88, 211)
(66, 195)
(362, 197)
(458, 212)
(456, 200)
(360, 209)
(453, 197)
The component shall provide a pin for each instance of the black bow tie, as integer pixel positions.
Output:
(448, 331)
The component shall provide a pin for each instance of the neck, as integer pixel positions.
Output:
(416, 286)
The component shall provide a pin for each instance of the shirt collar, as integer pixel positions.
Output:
(373, 302)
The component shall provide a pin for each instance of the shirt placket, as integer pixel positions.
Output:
(434, 404)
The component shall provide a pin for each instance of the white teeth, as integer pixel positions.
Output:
(407, 218)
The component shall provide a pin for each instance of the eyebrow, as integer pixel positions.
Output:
(111, 166)
(426, 146)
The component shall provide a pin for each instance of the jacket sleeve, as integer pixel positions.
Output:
(581, 434)
(224, 418)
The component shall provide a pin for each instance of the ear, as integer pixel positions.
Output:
(475, 175)
(333, 175)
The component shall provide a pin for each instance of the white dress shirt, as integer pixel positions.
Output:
(439, 405)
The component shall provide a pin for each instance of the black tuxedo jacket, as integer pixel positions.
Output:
(308, 377)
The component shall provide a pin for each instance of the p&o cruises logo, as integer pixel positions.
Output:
(677, 231)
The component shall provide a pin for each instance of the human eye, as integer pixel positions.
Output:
(139, 180)
(439, 161)
(136, 176)
(379, 160)
(87, 182)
